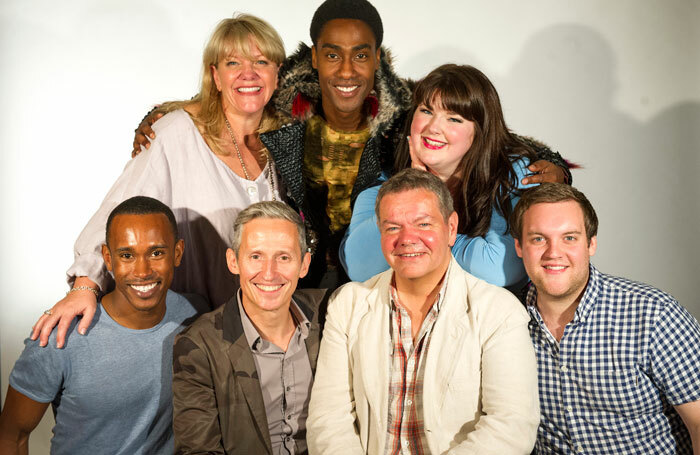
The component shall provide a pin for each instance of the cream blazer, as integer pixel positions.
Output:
(480, 385)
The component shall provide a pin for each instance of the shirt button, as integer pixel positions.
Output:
(579, 448)
(570, 408)
(405, 443)
(289, 417)
(564, 369)
(288, 388)
(252, 190)
(409, 402)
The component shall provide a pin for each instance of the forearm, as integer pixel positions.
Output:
(14, 444)
(360, 251)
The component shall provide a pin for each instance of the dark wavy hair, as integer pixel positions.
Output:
(485, 177)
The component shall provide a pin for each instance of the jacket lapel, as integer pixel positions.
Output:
(244, 371)
(446, 341)
(374, 351)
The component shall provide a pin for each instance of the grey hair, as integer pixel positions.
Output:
(414, 179)
(271, 210)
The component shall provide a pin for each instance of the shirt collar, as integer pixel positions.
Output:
(251, 333)
(585, 306)
(393, 295)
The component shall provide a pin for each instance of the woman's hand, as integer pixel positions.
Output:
(416, 163)
(144, 134)
(75, 303)
(544, 171)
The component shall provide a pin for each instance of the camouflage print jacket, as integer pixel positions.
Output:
(217, 400)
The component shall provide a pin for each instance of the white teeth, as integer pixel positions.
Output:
(145, 288)
(346, 89)
(249, 89)
(434, 143)
(411, 255)
(268, 288)
(554, 267)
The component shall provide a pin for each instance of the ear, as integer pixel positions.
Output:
(107, 256)
(592, 245)
(518, 248)
(305, 262)
(232, 262)
(179, 251)
(215, 75)
(314, 58)
(379, 55)
(452, 223)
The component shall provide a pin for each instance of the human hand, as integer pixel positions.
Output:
(416, 163)
(75, 303)
(144, 133)
(544, 171)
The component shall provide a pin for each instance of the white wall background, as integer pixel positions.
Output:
(614, 86)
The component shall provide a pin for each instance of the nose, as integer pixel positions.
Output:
(346, 70)
(407, 237)
(269, 269)
(142, 267)
(553, 249)
(248, 70)
(434, 125)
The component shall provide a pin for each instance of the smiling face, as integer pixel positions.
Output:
(142, 254)
(246, 83)
(415, 237)
(269, 263)
(439, 138)
(346, 58)
(555, 250)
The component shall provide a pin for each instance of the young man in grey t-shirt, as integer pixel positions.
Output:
(111, 389)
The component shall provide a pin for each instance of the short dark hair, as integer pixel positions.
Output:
(551, 193)
(141, 205)
(415, 179)
(347, 9)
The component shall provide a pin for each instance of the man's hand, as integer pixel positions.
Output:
(75, 303)
(144, 134)
(544, 171)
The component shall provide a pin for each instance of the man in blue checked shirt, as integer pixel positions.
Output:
(618, 361)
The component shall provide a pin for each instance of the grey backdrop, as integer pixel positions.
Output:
(614, 86)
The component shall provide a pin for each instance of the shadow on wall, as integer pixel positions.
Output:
(640, 176)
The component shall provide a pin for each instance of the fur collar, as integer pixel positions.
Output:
(299, 92)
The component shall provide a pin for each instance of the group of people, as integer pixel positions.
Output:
(212, 286)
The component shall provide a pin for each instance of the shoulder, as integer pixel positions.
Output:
(354, 298)
(311, 301)
(489, 303)
(616, 288)
(206, 327)
(172, 120)
(370, 194)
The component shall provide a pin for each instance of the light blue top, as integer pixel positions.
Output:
(491, 257)
(111, 390)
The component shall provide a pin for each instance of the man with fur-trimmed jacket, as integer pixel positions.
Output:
(343, 109)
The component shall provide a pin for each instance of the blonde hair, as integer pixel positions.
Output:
(231, 36)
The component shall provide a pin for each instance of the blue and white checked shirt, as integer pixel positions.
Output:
(609, 386)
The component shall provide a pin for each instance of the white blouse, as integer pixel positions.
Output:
(180, 170)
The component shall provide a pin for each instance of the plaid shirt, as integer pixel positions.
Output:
(609, 386)
(405, 433)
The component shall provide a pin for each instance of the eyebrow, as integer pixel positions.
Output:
(337, 47)
(564, 233)
(154, 247)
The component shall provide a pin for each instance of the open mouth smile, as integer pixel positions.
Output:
(248, 89)
(268, 288)
(433, 144)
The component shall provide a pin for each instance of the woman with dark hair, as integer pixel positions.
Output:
(458, 133)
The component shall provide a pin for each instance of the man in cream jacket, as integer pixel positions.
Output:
(423, 358)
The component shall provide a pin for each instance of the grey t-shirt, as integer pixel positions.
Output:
(111, 389)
